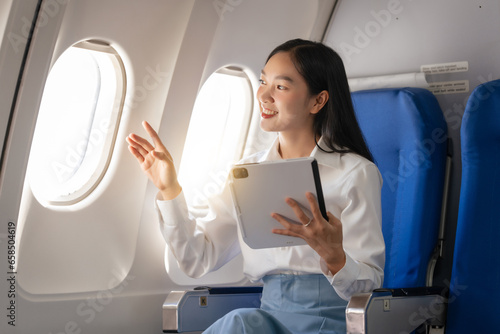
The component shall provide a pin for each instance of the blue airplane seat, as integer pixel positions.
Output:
(407, 134)
(473, 301)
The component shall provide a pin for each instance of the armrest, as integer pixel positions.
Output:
(195, 310)
(396, 310)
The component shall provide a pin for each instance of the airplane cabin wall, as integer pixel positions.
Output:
(4, 14)
(97, 233)
(7, 90)
(15, 24)
(106, 219)
(97, 266)
(385, 37)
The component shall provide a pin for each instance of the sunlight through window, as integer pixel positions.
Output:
(215, 140)
(76, 124)
(217, 134)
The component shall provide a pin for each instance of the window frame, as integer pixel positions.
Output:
(232, 269)
(112, 126)
(241, 145)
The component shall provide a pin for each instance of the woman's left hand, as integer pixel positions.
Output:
(325, 237)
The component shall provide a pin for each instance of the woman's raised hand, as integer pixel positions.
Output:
(155, 161)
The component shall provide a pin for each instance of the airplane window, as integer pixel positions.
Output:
(76, 124)
(215, 140)
(216, 135)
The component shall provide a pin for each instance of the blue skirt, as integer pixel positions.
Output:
(290, 304)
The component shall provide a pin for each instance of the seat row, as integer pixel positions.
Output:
(468, 304)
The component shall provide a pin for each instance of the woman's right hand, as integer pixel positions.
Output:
(156, 162)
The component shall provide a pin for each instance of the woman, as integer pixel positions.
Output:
(304, 97)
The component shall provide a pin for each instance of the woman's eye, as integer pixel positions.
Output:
(261, 82)
(280, 87)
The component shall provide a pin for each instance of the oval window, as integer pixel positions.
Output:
(216, 135)
(216, 139)
(77, 122)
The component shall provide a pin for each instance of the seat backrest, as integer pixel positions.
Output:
(474, 293)
(407, 135)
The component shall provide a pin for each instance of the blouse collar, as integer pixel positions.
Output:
(323, 158)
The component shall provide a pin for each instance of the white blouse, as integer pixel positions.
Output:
(351, 188)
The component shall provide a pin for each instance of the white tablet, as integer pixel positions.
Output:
(258, 189)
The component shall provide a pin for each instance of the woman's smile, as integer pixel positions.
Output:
(267, 113)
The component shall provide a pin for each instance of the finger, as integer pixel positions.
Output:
(333, 220)
(287, 233)
(303, 218)
(137, 147)
(131, 139)
(140, 144)
(134, 144)
(136, 154)
(153, 134)
(162, 156)
(291, 228)
(158, 144)
(313, 203)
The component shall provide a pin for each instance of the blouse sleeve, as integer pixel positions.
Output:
(362, 236)
(198, 244)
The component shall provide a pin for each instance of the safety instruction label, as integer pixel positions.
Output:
(449, 87)
(459, 66)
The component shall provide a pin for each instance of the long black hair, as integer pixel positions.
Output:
(323, 69)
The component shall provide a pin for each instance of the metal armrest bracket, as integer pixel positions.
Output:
(395, 310)
(195, 310)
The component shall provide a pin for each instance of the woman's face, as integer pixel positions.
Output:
(284, 99)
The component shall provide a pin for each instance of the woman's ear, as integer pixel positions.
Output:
(320, 101)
